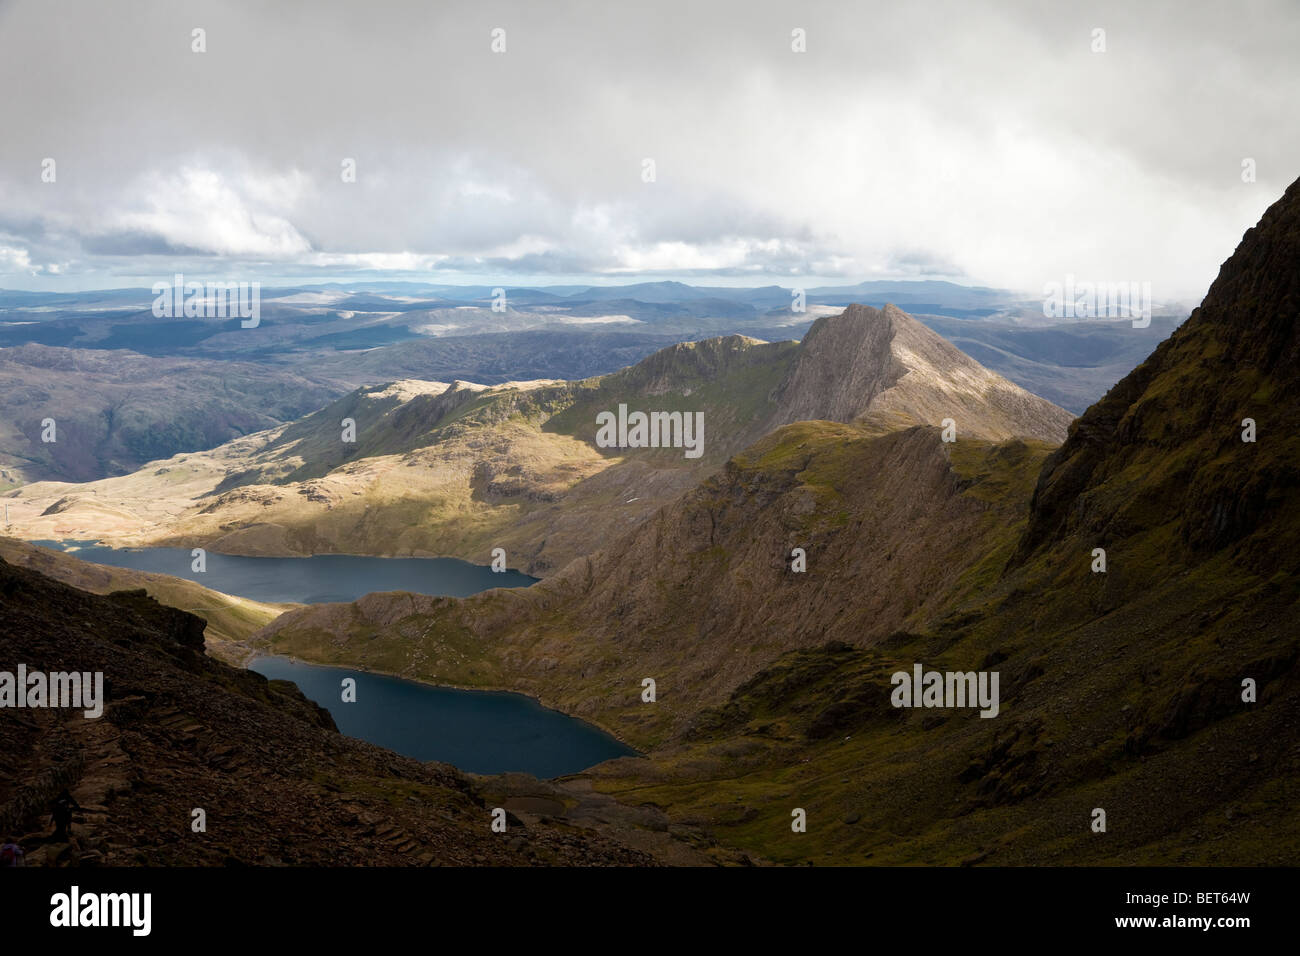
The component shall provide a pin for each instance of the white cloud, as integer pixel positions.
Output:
(14, 259)
(200, 209)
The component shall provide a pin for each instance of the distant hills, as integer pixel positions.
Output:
(195, 383)
(374, 314)
(459, 469)
(947, 298)
(116, 410)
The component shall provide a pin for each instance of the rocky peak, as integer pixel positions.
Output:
(883, 362)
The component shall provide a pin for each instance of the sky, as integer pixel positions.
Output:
(985, 143)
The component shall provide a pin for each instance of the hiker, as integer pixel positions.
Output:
(11, 854)
(61, 811)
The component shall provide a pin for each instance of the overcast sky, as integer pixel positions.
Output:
(983, 143)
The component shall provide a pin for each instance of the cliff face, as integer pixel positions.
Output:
(181, 731)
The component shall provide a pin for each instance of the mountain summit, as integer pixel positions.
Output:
(884, 363)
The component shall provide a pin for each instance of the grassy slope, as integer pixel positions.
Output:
(724, 602)
(1136, 711)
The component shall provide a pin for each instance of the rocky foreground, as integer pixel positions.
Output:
(181, 731)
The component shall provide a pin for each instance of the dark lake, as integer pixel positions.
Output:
(478, 731)
(313, 580)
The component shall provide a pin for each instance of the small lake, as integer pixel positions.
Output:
(478, 731)
(314, 580)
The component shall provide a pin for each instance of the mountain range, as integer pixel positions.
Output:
(1160, 688)
(460, 469)
(870, 501)
(128, 387)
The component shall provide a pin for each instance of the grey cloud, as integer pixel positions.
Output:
(135, 244)
(983, 139)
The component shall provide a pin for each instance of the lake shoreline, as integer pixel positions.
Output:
(190, 545)
(479, 730)
(329, 578)
(243, 654)
(261, 652)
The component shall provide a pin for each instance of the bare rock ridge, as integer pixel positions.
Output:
(708, 359)
(844, 363)
(883, 362)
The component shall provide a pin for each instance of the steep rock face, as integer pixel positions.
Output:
(1164, 447)
(884, 363)
(845, 361)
